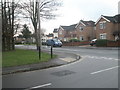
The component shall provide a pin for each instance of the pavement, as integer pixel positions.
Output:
(62, 59)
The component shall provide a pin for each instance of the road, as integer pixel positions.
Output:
(95, 69)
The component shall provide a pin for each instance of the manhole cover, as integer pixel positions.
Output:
(63, 73)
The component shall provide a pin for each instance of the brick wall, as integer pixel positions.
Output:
(75, 43)
(113, 44)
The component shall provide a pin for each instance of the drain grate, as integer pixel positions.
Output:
(63, 73)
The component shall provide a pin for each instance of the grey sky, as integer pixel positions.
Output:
(73, 11)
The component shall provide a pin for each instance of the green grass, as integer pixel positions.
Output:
(23, 57)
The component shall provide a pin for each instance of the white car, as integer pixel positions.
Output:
(93, 42)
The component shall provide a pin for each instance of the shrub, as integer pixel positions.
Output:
(74, 40)
(101, 43)
(44, 43)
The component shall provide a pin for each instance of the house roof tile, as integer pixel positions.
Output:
(50, 35)
(88, 23)
(71, 27)
(114, 19)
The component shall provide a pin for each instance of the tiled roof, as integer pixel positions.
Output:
(55, 30)
(50, 35)
(114, 19)
(71, 27)
(88, 23)
(117, 18)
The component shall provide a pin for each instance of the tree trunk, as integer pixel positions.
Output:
(12, 31)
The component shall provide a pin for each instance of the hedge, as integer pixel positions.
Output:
(101, 43)
(74, 40)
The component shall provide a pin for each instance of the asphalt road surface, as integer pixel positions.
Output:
(96, 69)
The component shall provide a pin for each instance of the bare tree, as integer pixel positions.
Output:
(8, 9)
(9, 12)
(46, 10)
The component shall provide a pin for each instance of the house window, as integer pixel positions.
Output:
(81, 28)
(81, 38)
(60, 32)
(74, 35)
(60, 38)
(65, 39)
(103, 36)
(102, 25)
(94, 28)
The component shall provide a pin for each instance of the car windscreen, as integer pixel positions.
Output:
(56, 40)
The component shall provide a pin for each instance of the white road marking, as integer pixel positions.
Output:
(66, 49)
(40, 86)
(103, 58)
(104, 70)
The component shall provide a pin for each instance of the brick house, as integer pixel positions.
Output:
(50, 36)
(85, 30)
(65, 33)
(55, 33)
(107, 27)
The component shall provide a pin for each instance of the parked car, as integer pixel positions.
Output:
(93, 42)
(54, 42)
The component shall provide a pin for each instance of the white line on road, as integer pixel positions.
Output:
(104, 70)
(102, 58)
(40, 86)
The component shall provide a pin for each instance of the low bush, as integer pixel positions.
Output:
(74, 40)
(101, 43)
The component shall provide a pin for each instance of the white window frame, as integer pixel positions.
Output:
(65, 39)
(81, 28)
(102, 25)
(60, 32)
(81, 38)
(103, 36)
(95, 28)
(60, 38)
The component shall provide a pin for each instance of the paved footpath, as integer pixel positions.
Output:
(62, 59)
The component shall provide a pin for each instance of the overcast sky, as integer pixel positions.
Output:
(72, 11)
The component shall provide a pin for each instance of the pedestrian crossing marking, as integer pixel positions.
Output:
(104, 58)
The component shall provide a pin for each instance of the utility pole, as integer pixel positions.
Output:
(39, 29)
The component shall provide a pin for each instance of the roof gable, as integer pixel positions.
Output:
(71, 27)
(86, 23)
(113, 19)
(102, 17)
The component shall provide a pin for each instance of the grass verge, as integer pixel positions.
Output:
(23, 57)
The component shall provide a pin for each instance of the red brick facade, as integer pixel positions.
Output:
(83, 31)
(107, 31)
(104, 28)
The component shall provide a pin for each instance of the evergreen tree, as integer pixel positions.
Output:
(26, 33)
